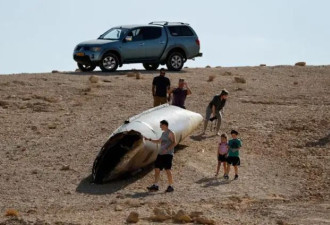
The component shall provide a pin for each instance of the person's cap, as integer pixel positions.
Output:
(234, 132)
(224, 92)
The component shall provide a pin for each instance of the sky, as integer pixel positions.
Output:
(40, 35)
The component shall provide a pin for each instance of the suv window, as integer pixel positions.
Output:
(136, 34)
(180, 31)
(152, 33)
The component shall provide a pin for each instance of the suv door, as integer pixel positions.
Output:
(155, 42)
(133, 50)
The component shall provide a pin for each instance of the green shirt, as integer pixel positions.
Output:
(234, 145)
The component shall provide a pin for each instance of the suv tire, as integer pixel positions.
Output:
(150, 66)
(109, 62)
(85, 68)
(175, 61)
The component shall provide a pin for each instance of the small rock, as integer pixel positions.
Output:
(65, 167)
(182, 217)
(138, 76)
(94, 79)
(34, 128)
(11, 212)
(240, 80)
(300, 64)
(295, 83)
(160, 215)
(195, 214)
(203, 220)
(52, 126)
(133, 217)
(208, 66)
(227, 73)
(106, 81)
(35, 171)
(118, 208)
(262, 64)
(55, 71)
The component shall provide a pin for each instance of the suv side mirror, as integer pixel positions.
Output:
(128, 38)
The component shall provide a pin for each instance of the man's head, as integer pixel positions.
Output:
(162, 72)
(224, 94)
(181, 83)
(163, 124)
(234, 134)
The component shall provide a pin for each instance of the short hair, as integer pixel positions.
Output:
(162, 70)
(224, 135)
(234, 132)
(181, 80)
(164, 122)
(224, 92)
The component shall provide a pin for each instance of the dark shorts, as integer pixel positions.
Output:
(164, 162)
(233, 160)
(222, 158)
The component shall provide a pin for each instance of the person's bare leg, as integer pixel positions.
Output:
(228, 169)
(169, 177)
(224, 168)
(157, 174)
(205, 125)
(236, 170)
(218, 123)
(218, 168)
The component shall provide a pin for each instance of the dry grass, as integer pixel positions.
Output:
(300, 64)
(11, 212)
(211, 78)
(240, 80)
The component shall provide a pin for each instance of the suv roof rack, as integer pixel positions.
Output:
(164, 23)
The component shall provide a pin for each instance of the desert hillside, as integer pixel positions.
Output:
(53, 125)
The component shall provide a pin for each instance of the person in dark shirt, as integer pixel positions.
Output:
(180, 93)
(214, 108)
(160, 87)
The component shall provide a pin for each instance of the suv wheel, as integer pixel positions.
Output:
(175, 61)
(85, 68)
(109, 63)
(150, 66)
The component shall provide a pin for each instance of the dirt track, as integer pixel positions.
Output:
(50, 122)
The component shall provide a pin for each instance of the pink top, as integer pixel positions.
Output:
(223, 148)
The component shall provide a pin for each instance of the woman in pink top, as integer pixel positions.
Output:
(222, 152)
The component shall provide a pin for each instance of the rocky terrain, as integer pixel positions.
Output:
(53, 125)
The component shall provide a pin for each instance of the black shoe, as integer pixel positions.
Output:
(169, 189)
(226, 177)
(236, 177)
(153, 188)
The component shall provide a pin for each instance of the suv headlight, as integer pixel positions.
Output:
(95, 49)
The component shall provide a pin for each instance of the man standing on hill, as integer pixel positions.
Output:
(160, 87)
(180, 93)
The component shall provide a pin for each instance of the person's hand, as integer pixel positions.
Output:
(169, 98)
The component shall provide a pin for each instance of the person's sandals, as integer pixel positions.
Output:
(153, 188)
(236, 177)
(169, 189)
(226, 177)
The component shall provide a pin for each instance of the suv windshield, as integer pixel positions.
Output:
(113, 34)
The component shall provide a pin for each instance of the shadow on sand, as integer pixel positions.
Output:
(212, 181)
(120, 72)
(201, 137)
(88, 187)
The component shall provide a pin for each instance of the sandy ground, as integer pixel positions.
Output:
(53, 125)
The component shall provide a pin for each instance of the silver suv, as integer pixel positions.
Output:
(153, 44)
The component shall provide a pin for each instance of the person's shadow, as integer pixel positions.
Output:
(212, 181)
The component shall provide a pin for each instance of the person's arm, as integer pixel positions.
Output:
(188, 90)
(213, 110)
(153, 89)
(169, 93)
(153, 141)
